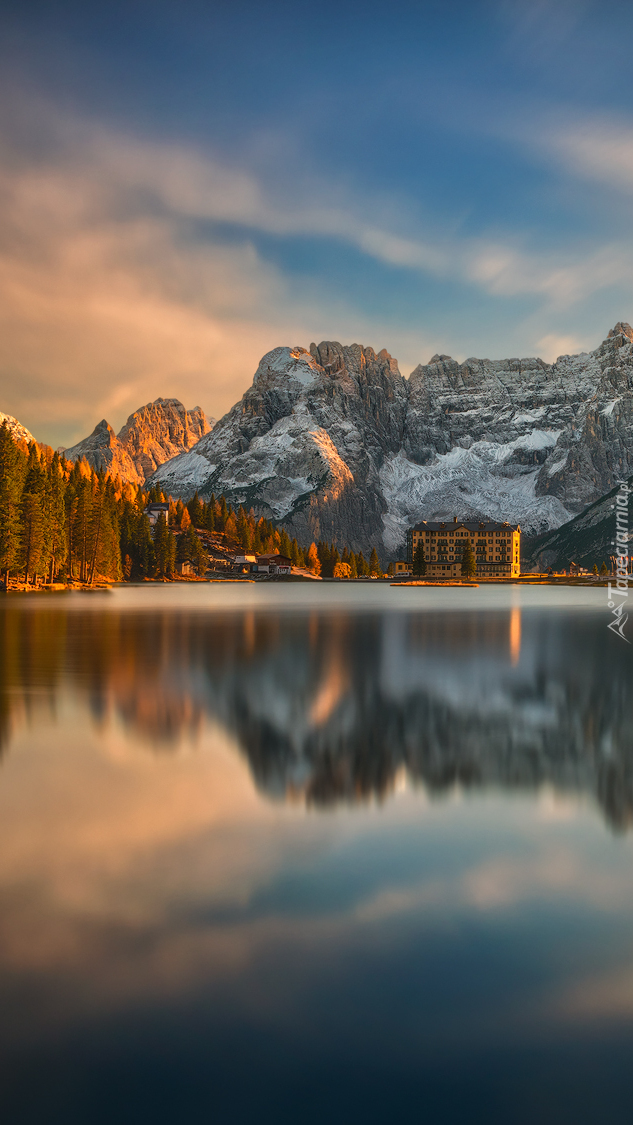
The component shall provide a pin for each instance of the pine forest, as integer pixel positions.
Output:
(63, 523)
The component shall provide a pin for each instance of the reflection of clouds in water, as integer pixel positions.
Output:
(170, 872)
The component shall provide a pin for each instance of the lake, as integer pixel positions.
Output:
(315, 853)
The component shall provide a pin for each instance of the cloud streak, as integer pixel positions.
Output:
(129, 268)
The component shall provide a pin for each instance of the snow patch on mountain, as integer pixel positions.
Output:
(269, 466)
(15, 428)
(190, 472)
(478, 482)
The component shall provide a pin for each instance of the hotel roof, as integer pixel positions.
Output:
(469, 525)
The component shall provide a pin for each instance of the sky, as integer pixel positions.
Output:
(186, 185)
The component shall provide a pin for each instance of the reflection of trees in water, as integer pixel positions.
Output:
(31, 653)
(336, 707)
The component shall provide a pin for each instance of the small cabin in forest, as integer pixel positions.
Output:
(274, 564)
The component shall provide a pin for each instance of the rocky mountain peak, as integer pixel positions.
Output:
(16, 428)
(621, 329)
(306, 441)
(103, 431)
(153, 434)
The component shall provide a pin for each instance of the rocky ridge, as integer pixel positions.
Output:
(16, 428)
(152, 435)
(337, 444)
(586, 539)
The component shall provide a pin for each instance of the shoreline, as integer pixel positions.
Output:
(104, 587)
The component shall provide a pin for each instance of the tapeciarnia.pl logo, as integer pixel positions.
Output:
(621, 541)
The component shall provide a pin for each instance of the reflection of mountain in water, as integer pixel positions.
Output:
(335, 707)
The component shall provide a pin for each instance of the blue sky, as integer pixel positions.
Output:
(187, 185)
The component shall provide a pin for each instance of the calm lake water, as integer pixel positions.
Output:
(315, 853)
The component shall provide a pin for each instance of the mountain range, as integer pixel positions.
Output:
(335, 443)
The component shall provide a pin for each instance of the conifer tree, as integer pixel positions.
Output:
(224, 512)
(56, 517)
(209, 515)
(362, 565)
(81, 523)
(145, 553)
(164, 548)
(325, 558)
(105, 559)
(419, 561)
(195, 510)
(33, 541)
(469, 563)
(243, 530)
(285, 545)
(258, 544)
(374, 564)
(313, 560)
(12, 473)
(33, 546)
(230, 528)
(191, 550)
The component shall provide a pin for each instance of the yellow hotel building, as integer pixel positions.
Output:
(496, 547)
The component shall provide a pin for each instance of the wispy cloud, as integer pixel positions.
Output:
(599, 149)
(188, 184)
(129, 268)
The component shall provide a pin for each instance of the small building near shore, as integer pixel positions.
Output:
(496, 547)
(274, 564)
(185, 569)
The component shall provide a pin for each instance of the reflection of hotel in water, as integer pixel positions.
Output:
(335, 706)
(496, 547)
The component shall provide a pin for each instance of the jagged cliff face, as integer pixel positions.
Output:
(306, 442)
(337, 444)
(587, 539)
(15, 428)
(152, 435)
(514, 439)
